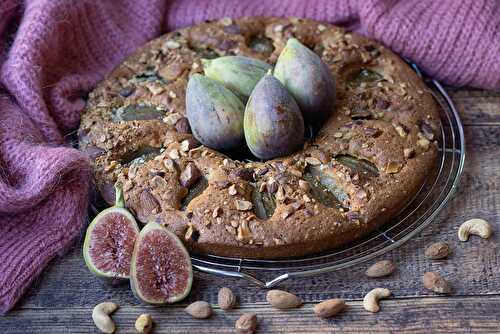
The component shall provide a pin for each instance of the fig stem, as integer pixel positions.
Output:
(119, 199)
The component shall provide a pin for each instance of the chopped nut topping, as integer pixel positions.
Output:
(174, 154)
(189, 233)
(304, 185)
(289, 210)
(295, 172)
(313, 161)
(409, 153)
(321, 28)
(243, 205)
(280, 194)
(338, 135)
(217, 212)
(232, 190)
(399, 129)
(392, 167)
(230, 229)
(189, 175)
(423, 143)
(306, 198)
(244, 232)
(172, 45)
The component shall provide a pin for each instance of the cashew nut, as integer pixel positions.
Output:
(370, 302)
(144, 324)
(101, 317)
(474, 226)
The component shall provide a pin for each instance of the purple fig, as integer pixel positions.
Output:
(109, 241)
(215, 113)
(161, 270)
(308, 79)
(273, 123)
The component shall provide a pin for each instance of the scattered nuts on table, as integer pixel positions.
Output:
(199, 309)
(436, 283)
(246, 324)
(144, 324)
(380, 269)
(475, 226)
(437, 251)
(370, 302)
(101, 317)
(329, 308)
(283, 300)
(226, 299)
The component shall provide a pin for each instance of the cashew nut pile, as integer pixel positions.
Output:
(101, 317)
(370, 302)
(476, 226)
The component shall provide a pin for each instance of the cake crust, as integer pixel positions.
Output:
(365, 163)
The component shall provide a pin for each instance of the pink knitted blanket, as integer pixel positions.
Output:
(54, 51)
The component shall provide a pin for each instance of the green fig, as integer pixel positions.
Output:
(215, 113)
(239, 74)
(273, 123)
(308, 79)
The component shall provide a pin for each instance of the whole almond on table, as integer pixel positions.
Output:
(246, 324)
(199, 310)
(329, 308)
(380, 269)
(436, 283)
(437, 251)
(226, 299)
(283, 300)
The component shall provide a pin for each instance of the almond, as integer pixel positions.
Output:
(436, 283)
(226, 299)
(283, 300)
(246, 324)
(329, 308)
(380, 269)
(199, 310)
(437, 251)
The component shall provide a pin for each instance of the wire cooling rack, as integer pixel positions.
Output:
(420, 212)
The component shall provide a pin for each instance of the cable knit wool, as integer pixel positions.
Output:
(52, 52)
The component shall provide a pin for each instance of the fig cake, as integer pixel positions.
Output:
(364, 164)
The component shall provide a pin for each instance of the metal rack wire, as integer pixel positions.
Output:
(419, 213)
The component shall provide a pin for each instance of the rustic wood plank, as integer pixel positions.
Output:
(423, 315)
(476, 107)
(473, 268)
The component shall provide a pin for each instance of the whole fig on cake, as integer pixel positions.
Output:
(109, 241)
(161, 270)
(308, 79)
(273, 123)
(239, 74)
(215, 113)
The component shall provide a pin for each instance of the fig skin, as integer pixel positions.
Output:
(134, 281)
(118, 208)
(215, 113)
(239, 74)
(308, 79)
(273, 122)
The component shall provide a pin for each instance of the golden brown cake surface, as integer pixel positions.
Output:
(367, 161)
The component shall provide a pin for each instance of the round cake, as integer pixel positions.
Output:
(354, 174)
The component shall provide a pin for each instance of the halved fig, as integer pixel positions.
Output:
(109, 241)
(161, 271)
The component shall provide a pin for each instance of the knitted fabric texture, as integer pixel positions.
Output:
(52, 52)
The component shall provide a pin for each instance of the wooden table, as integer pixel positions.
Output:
(63, 298)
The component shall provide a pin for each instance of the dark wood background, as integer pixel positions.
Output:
(62, 299)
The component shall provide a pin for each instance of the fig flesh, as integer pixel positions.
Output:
(161, 270)
(215, 113)
(109, 241)
(239, 74)
(308, 79)
(273, 123)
